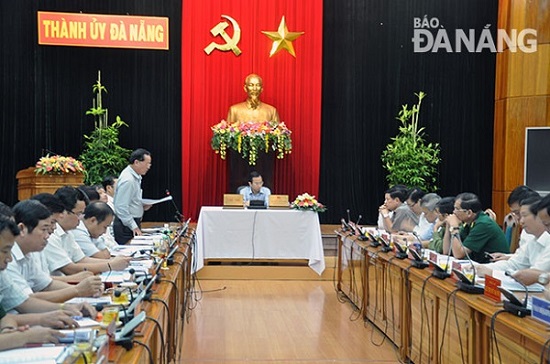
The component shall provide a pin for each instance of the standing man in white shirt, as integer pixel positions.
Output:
(129, 207)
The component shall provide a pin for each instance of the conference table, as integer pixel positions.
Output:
(429, 320)
(259, 234)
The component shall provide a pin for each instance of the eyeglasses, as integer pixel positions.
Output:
(79, 214)
(458, 209)
(411, 204)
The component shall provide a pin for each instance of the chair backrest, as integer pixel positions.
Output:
(240, 188)
(511, 230)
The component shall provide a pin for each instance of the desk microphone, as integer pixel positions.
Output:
(385, 244)
(178, 215)
(345, 225)
(360, 235)
(438, 271)
(464, 283)
(513, 304)
(401, 253)
(349, 219)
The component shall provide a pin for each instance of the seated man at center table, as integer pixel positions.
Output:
(255, 190)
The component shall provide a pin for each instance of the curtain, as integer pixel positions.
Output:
(211, 83)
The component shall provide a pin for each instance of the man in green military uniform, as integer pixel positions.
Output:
(471, 232)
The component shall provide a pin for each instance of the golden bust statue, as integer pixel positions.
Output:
(252, 109)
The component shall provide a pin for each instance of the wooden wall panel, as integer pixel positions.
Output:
(522, 94)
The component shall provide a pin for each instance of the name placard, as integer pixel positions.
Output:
(491, 288)
(540, 309)
(99, 30)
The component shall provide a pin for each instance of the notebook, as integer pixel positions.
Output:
(233, 201)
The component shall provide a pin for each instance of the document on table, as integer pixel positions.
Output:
(511, 285)
(40, 354)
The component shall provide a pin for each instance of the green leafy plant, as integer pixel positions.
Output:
(102, 155)
(409, 159)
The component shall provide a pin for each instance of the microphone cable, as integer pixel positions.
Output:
(406, 273)
(162, 343)
(167, 309)
(84, 359)
(493, 336)
(353, 287)
(338, 244)
(166, 305)
(340, 295)
(376, 289)
(458, 330)
(445, 323)
(395, 348)
(391, 300)
(148, 350)
(424, 310)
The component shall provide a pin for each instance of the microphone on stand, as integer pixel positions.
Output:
(345, 225)
(401, 253)
(349, 219)
(438, 271)
(178, 215)
(465, 284)
(360, 235)
(513, 304)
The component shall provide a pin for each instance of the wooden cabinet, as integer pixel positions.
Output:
(29, 183)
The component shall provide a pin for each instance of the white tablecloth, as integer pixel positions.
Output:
(259, 234)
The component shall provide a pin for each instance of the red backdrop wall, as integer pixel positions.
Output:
(211, 83)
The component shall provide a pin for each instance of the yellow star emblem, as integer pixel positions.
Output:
(282, 39)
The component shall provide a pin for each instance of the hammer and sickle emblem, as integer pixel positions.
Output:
(230, 43)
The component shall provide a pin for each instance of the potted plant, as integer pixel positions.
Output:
(102, 155)
(409, 159)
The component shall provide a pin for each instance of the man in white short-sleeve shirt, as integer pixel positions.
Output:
(26, 270)
(98, 216)
(63, 254)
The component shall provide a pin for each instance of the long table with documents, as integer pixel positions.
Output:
(429, 319)
(140, 316)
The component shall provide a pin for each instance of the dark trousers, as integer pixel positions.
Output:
(123, 234)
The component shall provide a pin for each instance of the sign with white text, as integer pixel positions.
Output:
(99, 30)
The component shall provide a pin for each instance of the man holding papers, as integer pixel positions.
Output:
(129, 206)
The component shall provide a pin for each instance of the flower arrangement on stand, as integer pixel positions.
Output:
(58, 164)
(250, 137)
(307, 202)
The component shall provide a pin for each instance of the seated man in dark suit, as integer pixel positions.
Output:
(255, 190)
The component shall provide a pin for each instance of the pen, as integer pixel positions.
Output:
(39, 345)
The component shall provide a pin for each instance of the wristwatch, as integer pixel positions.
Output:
(544, 278)
(454, 229)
